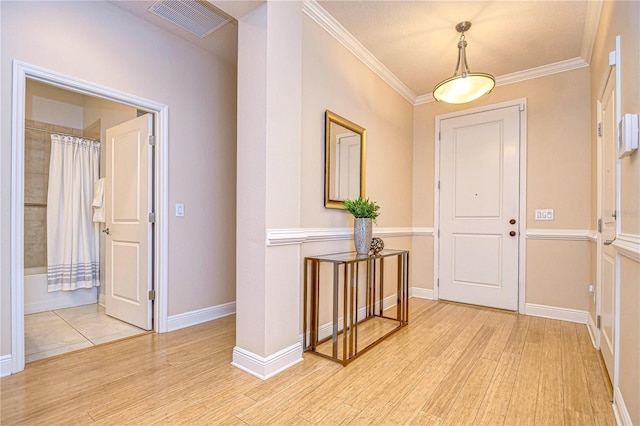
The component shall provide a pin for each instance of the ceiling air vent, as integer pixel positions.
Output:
(199, 17)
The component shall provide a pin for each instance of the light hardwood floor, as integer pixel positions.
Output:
(453, 364)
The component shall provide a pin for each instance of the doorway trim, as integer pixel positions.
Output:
(521, 103)
(21, 72)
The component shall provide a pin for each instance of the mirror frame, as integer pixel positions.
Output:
(331, 117)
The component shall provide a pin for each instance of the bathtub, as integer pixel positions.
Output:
(38, 299)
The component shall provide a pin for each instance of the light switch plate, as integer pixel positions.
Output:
(179, 210)
(544, 214)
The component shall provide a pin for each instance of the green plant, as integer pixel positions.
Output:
(361, 207)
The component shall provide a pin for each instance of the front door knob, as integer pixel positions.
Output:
(106, 231)
(512, 221)
(512, 233)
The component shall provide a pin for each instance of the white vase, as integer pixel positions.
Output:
(362, 234)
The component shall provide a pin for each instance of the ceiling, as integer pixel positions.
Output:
(416, 41)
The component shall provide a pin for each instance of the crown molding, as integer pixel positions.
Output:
(541, 71)
(319, 15)
(333, 27)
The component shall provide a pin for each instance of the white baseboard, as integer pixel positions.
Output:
(553, 312)
(187, 319)
(5, 365)
(620, 409)
(264, 368)
(593, 331)
(421, 293)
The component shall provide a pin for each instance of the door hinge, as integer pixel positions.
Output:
(600, 129)
(439, 136)
(152, 140)
(438, 283)
(152, 218)
(152, 295)
(438, 233)
(600, 226)
(614, 214)
(438, 184)
(598, 322)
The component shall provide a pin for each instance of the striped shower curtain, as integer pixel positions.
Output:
(72, 236)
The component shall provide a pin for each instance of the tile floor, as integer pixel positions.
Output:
(64, 330)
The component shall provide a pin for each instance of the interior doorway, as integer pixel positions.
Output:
(23, 73)
(480, 206)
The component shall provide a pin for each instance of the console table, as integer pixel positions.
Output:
(375, 320)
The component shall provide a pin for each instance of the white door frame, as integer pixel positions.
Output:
(21, 72)
(522, 105)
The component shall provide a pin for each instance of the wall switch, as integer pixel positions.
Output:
(591, 291)
(179, 210)
(544, 214)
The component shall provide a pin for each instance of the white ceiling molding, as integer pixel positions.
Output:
(424, 99)
(333, 27)
(542, 71)
(590, 28)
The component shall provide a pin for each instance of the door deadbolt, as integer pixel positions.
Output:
(512, 221)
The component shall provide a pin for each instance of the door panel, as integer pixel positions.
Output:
(608, 199)
(479, 193)
(128, 202)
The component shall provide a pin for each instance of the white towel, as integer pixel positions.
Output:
(98, 193)
(98, 214)
(98, 201)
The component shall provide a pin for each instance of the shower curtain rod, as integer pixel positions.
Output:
(58, 133)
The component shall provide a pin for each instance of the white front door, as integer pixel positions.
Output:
(607, 292)
(479, 207)
(128, 202)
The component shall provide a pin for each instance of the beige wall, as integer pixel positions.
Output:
(558, 177)
(621, 18)
(141, 60)
(334, 79)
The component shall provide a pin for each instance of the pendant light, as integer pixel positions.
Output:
(464, 86)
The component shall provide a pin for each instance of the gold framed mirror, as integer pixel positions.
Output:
(345, 164)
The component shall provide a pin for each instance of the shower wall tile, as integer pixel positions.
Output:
(34, 232)
(34, 139)
(35, 190)
(35, 255)
(34, 213)
(34, 161)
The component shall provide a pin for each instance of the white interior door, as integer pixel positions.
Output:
(348, 166)
(607, 293)
(128, 202)
(479, 206)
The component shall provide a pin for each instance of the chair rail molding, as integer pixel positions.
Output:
(558, 234)
(628, 245)
(286, 236)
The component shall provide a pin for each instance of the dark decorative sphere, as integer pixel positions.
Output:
(376, 245)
